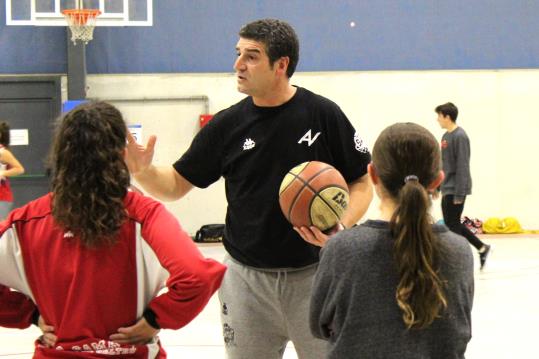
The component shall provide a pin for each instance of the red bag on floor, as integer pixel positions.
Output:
(474, 225)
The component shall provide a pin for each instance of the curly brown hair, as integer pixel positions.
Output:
(89, 175)
(409, 150)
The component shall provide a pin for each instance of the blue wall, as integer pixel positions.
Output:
(200, 35)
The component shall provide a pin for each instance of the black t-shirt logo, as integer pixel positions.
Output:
(307, 137)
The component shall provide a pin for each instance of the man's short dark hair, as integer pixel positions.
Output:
(448, 109)
(278, 37)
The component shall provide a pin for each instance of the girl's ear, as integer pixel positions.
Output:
(372, 173)
(436, 183)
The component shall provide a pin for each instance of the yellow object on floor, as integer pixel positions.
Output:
(506, 225)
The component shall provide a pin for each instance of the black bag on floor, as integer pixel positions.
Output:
(210, 233)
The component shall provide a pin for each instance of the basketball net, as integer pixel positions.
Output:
(81, 23)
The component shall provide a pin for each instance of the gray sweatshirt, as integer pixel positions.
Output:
(456, 164)
(353, 304)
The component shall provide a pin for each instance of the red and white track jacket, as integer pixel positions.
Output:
(87, 294)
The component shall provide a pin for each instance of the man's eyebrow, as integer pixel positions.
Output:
(250, 50)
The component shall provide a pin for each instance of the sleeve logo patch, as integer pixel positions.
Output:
(360, 145)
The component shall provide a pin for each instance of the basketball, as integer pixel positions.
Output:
(313, 194)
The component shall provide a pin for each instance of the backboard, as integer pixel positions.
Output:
(49, 12)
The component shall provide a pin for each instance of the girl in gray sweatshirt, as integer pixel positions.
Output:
(398, 286)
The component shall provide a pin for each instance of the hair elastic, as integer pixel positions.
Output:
(411, 178)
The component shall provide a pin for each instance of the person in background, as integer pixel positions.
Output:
(88, 260)
(458, 180)
(399, 286)
(9, 167)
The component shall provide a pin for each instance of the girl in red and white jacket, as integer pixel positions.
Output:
(87, 261)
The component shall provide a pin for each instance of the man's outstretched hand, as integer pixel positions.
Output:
(139, 158)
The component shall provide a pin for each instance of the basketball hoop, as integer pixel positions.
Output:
(82, 23)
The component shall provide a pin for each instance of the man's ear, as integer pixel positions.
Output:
(436, 183)
(282, 64)
(372, 173)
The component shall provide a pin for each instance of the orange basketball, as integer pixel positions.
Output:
(313, 194)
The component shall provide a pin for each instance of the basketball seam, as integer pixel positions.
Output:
(323, 200)
(305, 184)
(288, 185)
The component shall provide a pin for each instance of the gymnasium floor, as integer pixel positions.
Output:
(505, 314)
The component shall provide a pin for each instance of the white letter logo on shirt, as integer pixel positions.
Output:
(308, 137)
(248, 144)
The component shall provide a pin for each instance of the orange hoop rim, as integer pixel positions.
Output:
(81, 16)
(71, 12)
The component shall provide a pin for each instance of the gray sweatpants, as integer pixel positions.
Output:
(263, 309)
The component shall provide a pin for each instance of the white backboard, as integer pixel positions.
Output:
(49, 12)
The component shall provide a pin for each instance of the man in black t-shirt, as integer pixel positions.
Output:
(266, 290)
